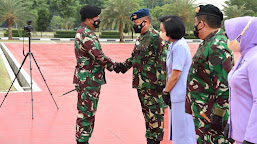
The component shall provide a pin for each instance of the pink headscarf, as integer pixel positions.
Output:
(235, 26)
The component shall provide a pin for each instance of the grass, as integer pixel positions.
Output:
(5, 81)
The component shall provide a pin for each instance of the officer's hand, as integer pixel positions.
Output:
(117, 68)
(247, 142)
(226, 131)
(123, 69)
(216, 123)
(166, 98)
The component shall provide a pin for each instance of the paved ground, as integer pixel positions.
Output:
(118, 120)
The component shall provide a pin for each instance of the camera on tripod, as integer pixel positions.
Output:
(29, 54)
(28, 28)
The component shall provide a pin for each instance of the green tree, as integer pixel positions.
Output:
(232, 11)
(141, 3)
(14, 11)
(249, 4)
(54, 9)
(67, 8)
(117, 15)
(43, 20)
(34, 5)
(69, 23)
(38, 4)
(153, 3)
(56, 22)
(185, 9)
(98, 3)
(156, 13)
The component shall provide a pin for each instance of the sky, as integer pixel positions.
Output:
(217, 3)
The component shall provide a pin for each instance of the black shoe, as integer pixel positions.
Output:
(151, 141)
(82, 142)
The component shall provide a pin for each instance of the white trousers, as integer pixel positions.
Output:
(181, 125)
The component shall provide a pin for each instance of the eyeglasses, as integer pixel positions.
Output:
(226, 35)
(246, 27)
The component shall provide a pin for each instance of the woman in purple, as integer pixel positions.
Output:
(242, 124)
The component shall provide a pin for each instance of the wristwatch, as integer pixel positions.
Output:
(165, 92)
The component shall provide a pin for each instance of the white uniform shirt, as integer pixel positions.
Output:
(179, 58)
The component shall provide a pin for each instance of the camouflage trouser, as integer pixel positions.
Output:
(87, 105)
(206, 135)
(153, 110)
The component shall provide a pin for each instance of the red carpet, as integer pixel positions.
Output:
(118, 120)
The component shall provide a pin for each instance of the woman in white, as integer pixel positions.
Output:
(178, 63)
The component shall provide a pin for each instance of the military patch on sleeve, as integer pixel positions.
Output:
(215, 60)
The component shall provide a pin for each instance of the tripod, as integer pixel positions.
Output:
(30, 54)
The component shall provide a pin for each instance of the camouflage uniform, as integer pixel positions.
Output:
(149, 77)
(88, 77)
(207, 85)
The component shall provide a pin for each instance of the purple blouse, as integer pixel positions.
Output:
(243, 98)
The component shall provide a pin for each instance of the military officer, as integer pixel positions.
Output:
(89, 72)
(149, 73)
(207, 83)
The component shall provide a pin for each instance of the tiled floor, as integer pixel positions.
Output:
(118, 120)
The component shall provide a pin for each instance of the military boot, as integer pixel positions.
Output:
(151, 141)
(82, 142)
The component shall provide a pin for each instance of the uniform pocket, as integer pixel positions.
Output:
(157, 105)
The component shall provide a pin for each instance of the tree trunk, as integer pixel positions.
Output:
(152, 4)
(132, 33)
(9, 23)
(121, 32)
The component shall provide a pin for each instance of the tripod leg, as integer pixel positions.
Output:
(31, 90)
(44, 79)
(14, 78)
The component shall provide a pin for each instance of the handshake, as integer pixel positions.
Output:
(120, 68)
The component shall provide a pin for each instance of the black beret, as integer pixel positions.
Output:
(90, 11)
(139, 14)
(209, 9)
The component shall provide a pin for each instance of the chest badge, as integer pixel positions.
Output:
(137, 43)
